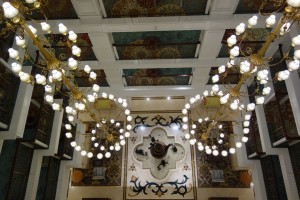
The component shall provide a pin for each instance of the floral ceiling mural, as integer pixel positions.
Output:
(137, 8)
(156, 45)
(157, 77)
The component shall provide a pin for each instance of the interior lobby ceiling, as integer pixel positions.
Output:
(153, 48)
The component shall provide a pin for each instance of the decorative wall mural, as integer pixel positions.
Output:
(159, 189)
(156, 45)
(157, 76)
(138, 8)
(60, 44)
(250, 43)
(157, 120)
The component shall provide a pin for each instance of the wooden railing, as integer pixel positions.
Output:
(254, 146)
(295, 159)
(48, 178)
(20, 172)
(9, 86)
(273, 178)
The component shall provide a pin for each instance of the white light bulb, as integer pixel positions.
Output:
(246, 123)
(83, 153)
(215, 152)
(25, 77)
(285, 28)
(252, 21)
(221, 69)
(68, 126)
(245, 139)
(224, 153)
(184, 111)
(127, 134)
(68, 135)
(62, 29)
(99, 155)
(89, 154)
(127, 112)
(33, 30)
(45, 27)
(293, 65)
(187, 136)
(297, 54)
(266, 91)
(247, 117)
(72, 36)
(93, 75)
(208, 151)
(232, 150)
(40, 79)
(294, 3)
(96, 88)
(122, 142)
(73, 144)
(296, 40)
(238, 144)
(107, 154)
(215, 78)
(231, 40)
(20, 42)
(78, 148)
(13, 53)
(240, 29)
(16, 67)
(200, 147)
(56, 106)
(260, 100)
(246, 130)
(234, 52)
(72, 63)
(9, 11)
(283, 75)
(76, 51)
(270, 21)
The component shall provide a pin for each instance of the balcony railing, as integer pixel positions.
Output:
(9, 86)
(254, 146)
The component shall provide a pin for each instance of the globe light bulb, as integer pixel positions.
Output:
(270, 21)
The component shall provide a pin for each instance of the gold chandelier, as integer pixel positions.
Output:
(56, 71)
(252, 66)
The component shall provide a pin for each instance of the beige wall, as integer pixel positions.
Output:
(116, 193)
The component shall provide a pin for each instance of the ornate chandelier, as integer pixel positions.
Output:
(55, 71)
(252, 66)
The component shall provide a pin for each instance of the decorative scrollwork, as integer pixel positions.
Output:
(179, 187)
(158, 120)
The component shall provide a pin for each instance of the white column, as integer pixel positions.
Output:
(65, 166)
(38, 155)
(283, 154)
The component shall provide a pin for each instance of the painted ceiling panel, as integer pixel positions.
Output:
(156, 45)
(55, 9)
(157, 76)
(137, 8)
(252, 41)
(82, 78)
(252, 6)
(61, 46)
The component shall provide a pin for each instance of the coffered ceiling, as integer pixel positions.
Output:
(155, 47)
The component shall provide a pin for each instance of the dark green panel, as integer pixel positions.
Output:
(157, 76)
(151, 8)
(156, 45)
